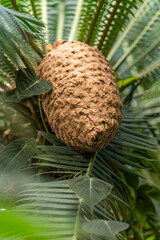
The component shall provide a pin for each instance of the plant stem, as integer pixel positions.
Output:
(89, 170)
(94, 19)
(75, 22)
(81, 200)
(33, 45)
(45, 16)
(41, 114)
(24, 60)
(77, 219)
(34, 9)
(14, 4)
(108, 24)
(91, 164)
(60, 24)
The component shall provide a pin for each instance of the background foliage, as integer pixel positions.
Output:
(48, 190)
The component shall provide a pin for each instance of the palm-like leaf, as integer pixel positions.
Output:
(19, 29)
(93, 28)
(61, 206)
(135, 52)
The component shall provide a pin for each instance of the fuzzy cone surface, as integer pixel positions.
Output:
(83, 108)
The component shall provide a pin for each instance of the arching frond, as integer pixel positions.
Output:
(73, 193)
(118, 15)
(138, 46)
(61, 212)
(23, 34)
(7, 70)
(140, 37)
(54, 201)
(153, 91)
(87, 11)
(117, 155)
(101, 21)
(58, 16)
(33, 8)
(149, 103)
(136, 23)
(70, 15)
(147, 56)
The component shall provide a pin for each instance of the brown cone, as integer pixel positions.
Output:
(84, 108)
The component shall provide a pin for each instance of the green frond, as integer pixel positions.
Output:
(71, 195)
(60, 23)
(7, 70)
(17, 51)
(55, 203)
(54, 200)
(70, 21)
(93, 31)
(139, 38)
(17, 154)
(101, 21)
(73, 31)
(50, 18)
(63, 158)
(59, 17)
(135, 24)
(62, 207)
(153, 91)
(21, 50)
(135, 53)
(87, 11)
(128, 144)
(16, 117)
(33, 8)
(118, 14)
(142, 61)
(151, 68)
(149, 104)
(6, 4)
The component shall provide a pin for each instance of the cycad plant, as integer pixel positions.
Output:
(49, 190)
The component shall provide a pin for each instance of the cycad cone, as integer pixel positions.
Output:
(84, 108)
